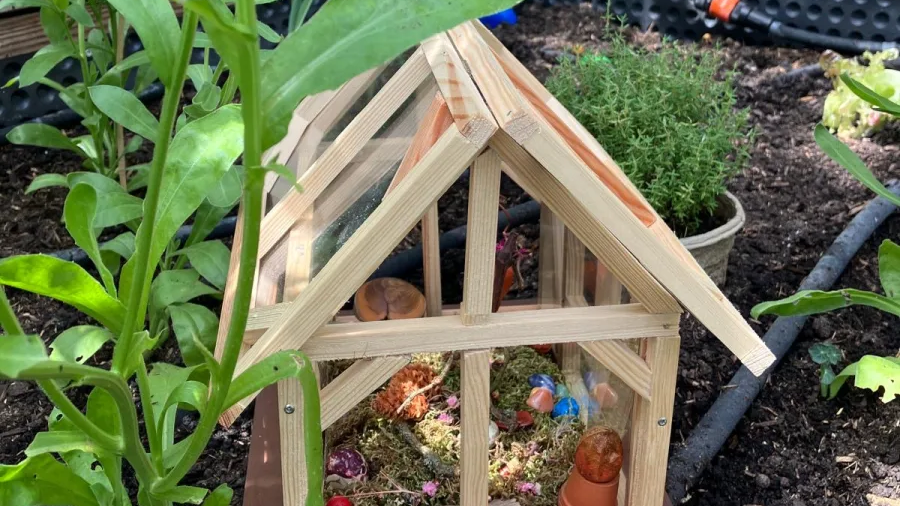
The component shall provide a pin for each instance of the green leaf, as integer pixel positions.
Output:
(808, 302)
(274, 368)
(889, 267)
(227, 191)
(825, 353)
(75, 96)
(206, 219)
(59, 442)
(114, 74)
(44, 136)
(19, 4)
(122, 245)
(43, 61)
(102, 410)
(116, 208)
(18, 353)
(46, 181)
(267, 33)
(191, 393)
(879, 372)
(285, 173)
(864, 92)
(134, 144)
(172, 287)
(199, 156)
(173, 454)
(156, 25)
(45, 481)
(840, 153)
(211, 260)
(125, 109)
(199, 74)
(165, 379)
(99, 182)
(54, 25)
(221, 496)
(79, 211)
(142, 344)
(77, 12)
(185, 495)
(77, 344)
(346, 38)
(65, 282)
(828, 375)
(194, 326)
(139, 179)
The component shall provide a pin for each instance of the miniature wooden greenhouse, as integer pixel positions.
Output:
(372, 166)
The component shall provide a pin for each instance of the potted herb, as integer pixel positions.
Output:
(670, 123)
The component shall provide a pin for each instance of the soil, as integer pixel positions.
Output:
(792, 448)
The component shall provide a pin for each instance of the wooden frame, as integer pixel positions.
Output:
(483, 107)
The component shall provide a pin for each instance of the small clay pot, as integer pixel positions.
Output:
(388, 299)
(578, 491)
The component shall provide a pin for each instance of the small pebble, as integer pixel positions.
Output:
(542, 380)
(605, 395)
(524, 419)
(562, 391)
(565, 407)
(493, 432)
(763, 481)
(540, 400)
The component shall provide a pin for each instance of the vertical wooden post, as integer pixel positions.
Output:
(573, 290)
(550, 260)
(431, 257)
(652, 426)
(484, 197)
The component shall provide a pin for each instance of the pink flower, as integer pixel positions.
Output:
(452, 402)
(529, 488)
(874, 118)
(430, 488)
(445, 418)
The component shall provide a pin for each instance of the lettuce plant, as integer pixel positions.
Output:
(872, 372)
(79, 461)
(845, 112)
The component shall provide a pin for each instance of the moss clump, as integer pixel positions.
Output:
(510, 377)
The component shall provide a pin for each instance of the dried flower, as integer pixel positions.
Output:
(452, 402)
(528, 487)
(445, 418)
(406, 381)
(430, 488)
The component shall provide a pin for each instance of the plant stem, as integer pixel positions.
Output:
(140, 285)
(8, 319)
(118, 24)
(109, 442)
(153, 436)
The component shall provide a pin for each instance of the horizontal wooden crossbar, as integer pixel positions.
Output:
(340, 341)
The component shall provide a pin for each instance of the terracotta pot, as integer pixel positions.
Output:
(711, 249)
(577, 491)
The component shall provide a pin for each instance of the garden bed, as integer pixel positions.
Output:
(792, 448)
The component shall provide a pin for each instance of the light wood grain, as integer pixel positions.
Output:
(475, 416)
(293, 461)
(652, 426)
(621, 361)
(431, 261)
(434, 124)
(276, 224)
(355, 384)
(550, 258)
(538, 182)
(366, 249)
(481, 238)
(471, 114)
(569, 354)
(299, 258)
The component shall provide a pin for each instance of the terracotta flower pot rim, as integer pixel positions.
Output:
(732, 207)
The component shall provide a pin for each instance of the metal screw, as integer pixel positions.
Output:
(289, 408)
(662, 422)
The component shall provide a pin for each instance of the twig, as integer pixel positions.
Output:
(435, 382)
(432, 460)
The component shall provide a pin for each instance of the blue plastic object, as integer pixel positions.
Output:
(566, 406)
(494, 20)
(542, 381)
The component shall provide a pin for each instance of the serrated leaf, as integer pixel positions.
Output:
(211, 260)
(79, 210)
(45, 481)
(46, 181)
(124, 108)
(43, 61)
(18, 353)
(846, 158)
(156, 25)
(44, 136)
(77, 344)
(825, 353)
(194, 326)
(59, 442)
(66, 282)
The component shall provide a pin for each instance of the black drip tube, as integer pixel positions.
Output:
(707, 438)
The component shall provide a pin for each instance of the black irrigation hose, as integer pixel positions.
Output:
(717, 424)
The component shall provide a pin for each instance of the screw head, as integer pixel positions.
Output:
(662, 422)
(289, 408)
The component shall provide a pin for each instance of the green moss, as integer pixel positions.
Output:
(511, 379)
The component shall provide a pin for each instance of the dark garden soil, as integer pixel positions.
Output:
(792, 448)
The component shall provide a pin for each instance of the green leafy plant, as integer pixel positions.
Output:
(343, 39)
(845, 112)
(827, 356)
(665, 117)
(872, 372)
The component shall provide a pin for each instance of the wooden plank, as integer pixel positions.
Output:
(569, 354)
(431, 261)
(403, 84)
(651, 426)
(290, 428)
(532, 177)
(550, 258)
(475, 416)
(299, 258)
(365, 250)
(481, 240)
(506, 106)
(355, 384)
(339, 341)
(621, 361)
(433, 125)
(378, 149)
(471, 114)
